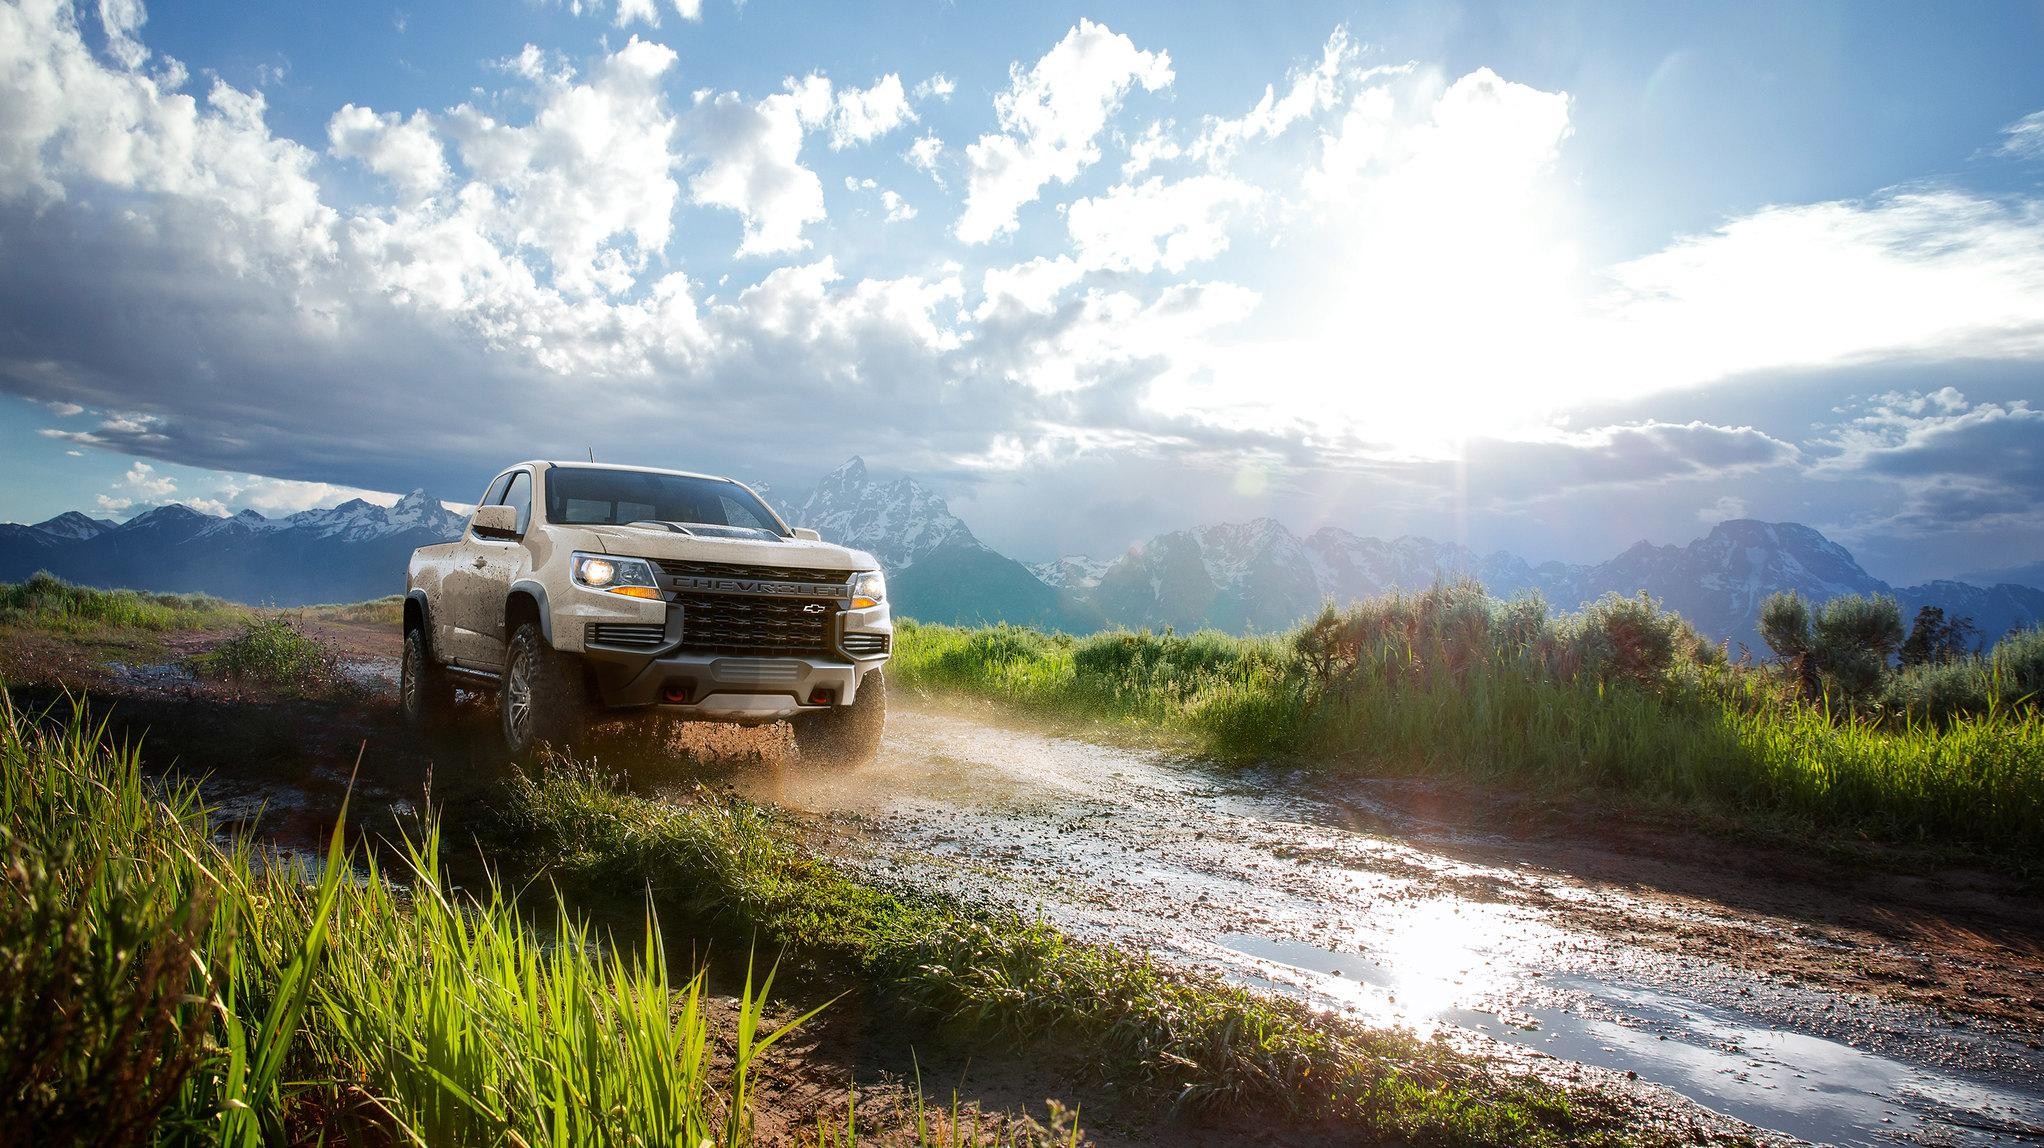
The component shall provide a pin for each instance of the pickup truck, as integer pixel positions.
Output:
(580, 589)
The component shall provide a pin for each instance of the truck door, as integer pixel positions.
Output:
(482, 574)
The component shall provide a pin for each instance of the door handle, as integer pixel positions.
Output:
(480, 562)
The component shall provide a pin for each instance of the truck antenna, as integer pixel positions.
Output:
(592, 454)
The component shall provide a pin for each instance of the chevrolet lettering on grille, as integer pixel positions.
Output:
(695, 585)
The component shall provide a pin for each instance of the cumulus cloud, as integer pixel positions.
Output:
(894, 209)
(923, 155)
(1155, 145)
(594, 164)
(863, 114)
(754, 161)
(1142, 227)
(406, 152)
(1051, 117)
(938, 87)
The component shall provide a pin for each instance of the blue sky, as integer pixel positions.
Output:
(1551, 278)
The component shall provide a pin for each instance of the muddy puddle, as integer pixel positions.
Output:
(1226, 872)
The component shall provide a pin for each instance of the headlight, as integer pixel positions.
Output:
(631, 577)
(868, 589)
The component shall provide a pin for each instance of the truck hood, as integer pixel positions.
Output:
(652, 542)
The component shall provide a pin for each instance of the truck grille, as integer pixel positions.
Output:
(744, 624)
(864, 645)
(631, 635)
(678, 569)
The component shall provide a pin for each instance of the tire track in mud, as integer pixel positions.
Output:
(1246, 876)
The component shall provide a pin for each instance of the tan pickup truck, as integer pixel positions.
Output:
(580, 588)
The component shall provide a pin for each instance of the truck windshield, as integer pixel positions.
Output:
(592, 496)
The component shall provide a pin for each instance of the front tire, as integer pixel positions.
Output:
(846, 735)
(540, 701)
(424, 693)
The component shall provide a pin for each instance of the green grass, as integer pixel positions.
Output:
(274, 651)
(730, 870)
(1621, 701)
(48, 602)
(163, 987)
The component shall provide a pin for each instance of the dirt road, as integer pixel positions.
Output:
(1808, 998)
(1520, 948)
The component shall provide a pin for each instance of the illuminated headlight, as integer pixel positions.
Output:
(631, 577)
(868, 589)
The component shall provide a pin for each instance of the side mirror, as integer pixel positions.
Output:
(495, 522)
(807, 535)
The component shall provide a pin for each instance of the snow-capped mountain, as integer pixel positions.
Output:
(75, 527)
(898, 522)
(1072, 572)
(937, 570)
(345, 553)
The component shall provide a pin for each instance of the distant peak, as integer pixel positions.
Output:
(417, 497)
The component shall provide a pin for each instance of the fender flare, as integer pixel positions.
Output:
(418, 597)
(537, 593)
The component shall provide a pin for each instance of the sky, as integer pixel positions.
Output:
(1551, 278)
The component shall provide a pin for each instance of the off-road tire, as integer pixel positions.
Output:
(542, 697)
(846, 735)
(425, 694)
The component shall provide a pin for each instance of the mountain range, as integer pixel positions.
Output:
(1255, 576)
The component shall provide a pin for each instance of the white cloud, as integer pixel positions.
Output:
(595, 163)
(629, 11)
(939, 86)
(122, 19)
(864, 114)
(923, 155)
(1050, 118)
(404, 151)
(754, 153)
(1141, 227)
(1034, 286)
(1926, 273)
(1724, 509)
(893, 207)
(2025, 137)
(1312, 91)
(65, 410)
(143, 479)
(1154, 145)
(898, 209)
(690, 10)
(111, 505)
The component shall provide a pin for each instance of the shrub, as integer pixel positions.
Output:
(276, 652)
(1842, 647)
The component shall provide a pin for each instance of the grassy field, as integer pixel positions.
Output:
(164, 987)
(47, 602)
(1622, 700)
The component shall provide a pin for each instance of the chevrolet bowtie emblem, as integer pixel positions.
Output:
(814, 608)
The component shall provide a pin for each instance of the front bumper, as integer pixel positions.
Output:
(727, 687)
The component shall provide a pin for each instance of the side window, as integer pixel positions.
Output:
(520, 496)
(495, 494)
